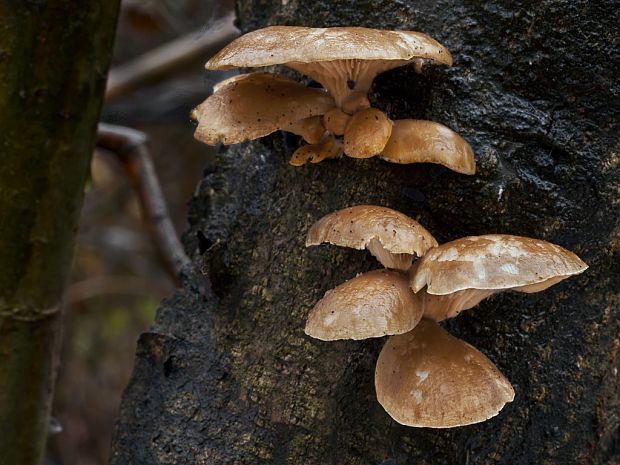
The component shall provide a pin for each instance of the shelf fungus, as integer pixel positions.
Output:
(373, 304)
(393, 238)
(345, 61)
(457, 275)
(428, 378)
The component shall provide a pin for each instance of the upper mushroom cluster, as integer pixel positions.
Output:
(426, 377)
(345, 61)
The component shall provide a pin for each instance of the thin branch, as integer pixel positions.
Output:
(131, 148)
(105, 285)
(157, 63)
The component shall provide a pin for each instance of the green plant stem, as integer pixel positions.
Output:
(54, 56)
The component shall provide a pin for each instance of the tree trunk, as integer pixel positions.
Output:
(54, 57)
(227, 376)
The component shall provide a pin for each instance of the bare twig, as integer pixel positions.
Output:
(131, 148)
(169, 57)
(105, 285)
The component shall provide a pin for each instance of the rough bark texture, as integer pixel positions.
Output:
(53, 61)
(227, 376)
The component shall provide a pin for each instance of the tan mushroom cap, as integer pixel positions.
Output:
(418, 141)
(254, 105)
(388, 234)
(428, 378)
(373, 304)
(494, 262)
(331, 56)
(366, 133)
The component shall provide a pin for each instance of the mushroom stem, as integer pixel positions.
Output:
(344, 78)
(442, 307)
(398, 261)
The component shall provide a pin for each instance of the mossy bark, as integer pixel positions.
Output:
(54, 57)
(227, 375)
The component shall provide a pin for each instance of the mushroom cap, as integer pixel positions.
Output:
(357, 226)
(327, 147)
(373, 304)
(428, 378)
(254, 105)
(418, 141)
(494, 261)
(294, 44)
(366, 133)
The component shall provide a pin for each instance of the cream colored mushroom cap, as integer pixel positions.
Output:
(373, 304)
(254, 105)
(494, 261)
(357, 226)
(428, 378)
(293, 44)
(418, 141)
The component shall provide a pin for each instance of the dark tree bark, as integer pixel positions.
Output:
(54, 57)
(227, 376)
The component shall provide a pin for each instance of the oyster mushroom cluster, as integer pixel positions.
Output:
(338, 118)
(424, 376)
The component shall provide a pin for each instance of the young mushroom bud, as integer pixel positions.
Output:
(254, 105)
(428, 378)
(366, 133)
(310, 129)
(393, 238)
(417, 141)
(459, 274)
(373, 304)
(335, 121)
(328, 147)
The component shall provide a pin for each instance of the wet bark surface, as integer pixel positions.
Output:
(227, 375)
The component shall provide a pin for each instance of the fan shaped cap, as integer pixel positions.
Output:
(428, 378)
(392, 237)
(494, 262)
(344, 60)
(418, 141)
(254, 105)
(373, 304)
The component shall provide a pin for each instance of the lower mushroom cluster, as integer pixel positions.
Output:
(425, 377)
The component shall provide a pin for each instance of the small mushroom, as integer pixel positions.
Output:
(344, 60)
(328, 147)
(428, 378)
(373, 304)
(254, 105)
(417, 141)
(393, 238)
(459, 274)
(366, 133)
(335, 121)
(311, 129)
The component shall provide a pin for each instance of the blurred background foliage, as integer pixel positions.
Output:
(118, 278)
